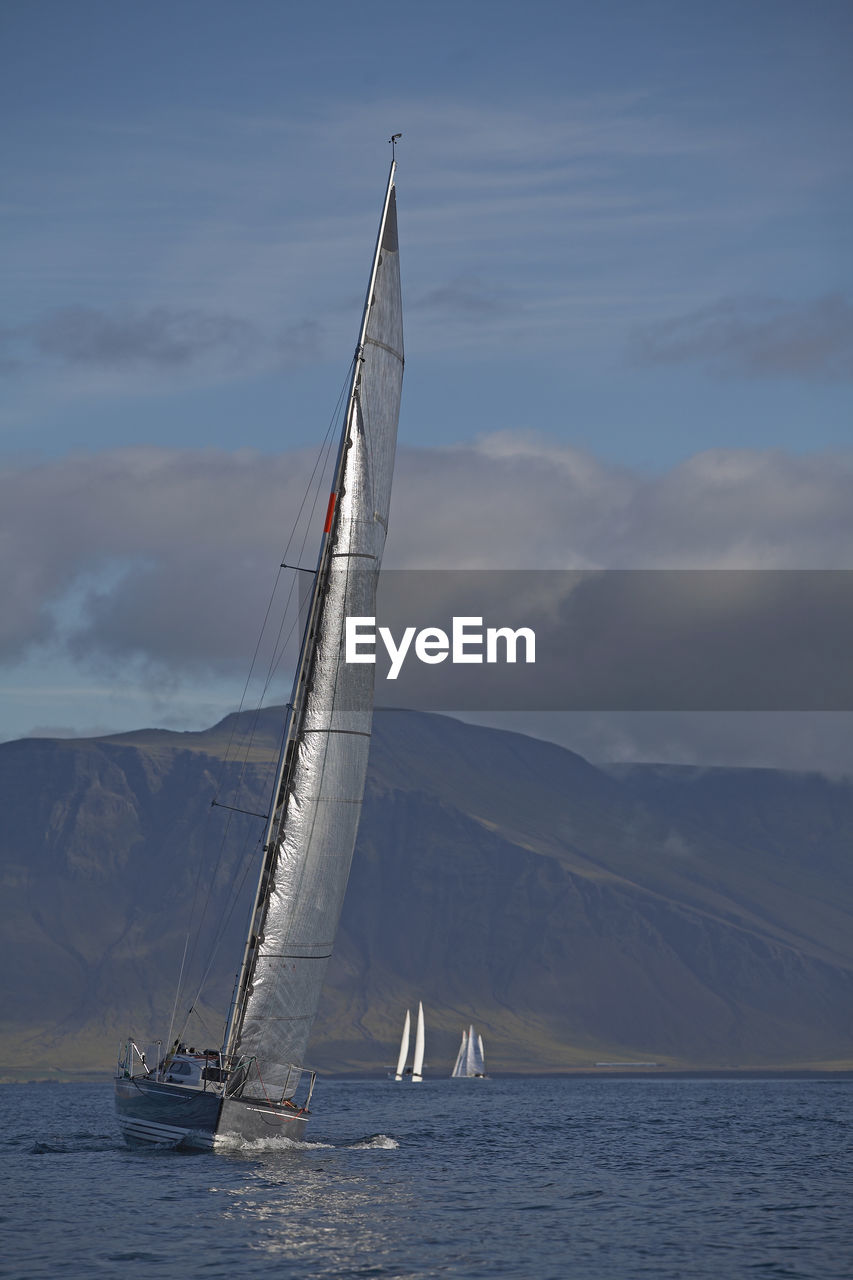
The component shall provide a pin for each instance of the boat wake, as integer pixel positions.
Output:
(233, 1142)
(253, 1146)
(378, 1142)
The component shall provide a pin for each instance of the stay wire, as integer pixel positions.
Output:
(194, 929)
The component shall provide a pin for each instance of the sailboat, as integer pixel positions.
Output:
(254, 1085)
(416, 1071)
(404, 1047)
(418, 1060)
(470, 1061)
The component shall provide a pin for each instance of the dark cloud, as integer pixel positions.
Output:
(161, 336)
(757, 337)
(466, 296)
(301, 344)
(160, 555)
(624, 640)
(157, 564)
(167, 556)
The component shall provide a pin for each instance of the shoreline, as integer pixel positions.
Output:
(579, 1073)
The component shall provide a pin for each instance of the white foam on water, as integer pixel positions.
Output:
(233, 1142)
(379, 1142)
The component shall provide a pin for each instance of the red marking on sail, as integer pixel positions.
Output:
(329, 511)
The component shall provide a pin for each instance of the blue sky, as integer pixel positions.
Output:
(625, 249)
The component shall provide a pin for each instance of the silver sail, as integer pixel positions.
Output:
(404, 1047)
(418, 1060)
(471, 1056)
(461, 1057)
(322, 776)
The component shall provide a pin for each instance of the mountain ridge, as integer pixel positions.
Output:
(577, 913)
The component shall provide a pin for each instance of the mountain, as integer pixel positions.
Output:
(577, 914)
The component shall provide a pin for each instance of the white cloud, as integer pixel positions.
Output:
(168, 556)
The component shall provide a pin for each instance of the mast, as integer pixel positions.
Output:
(308, 840)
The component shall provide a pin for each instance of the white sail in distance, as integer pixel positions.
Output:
(404, 1047)
(418, 1060)
(460, 1063)
(471, 1053)
(319, 794)
(470, 1060)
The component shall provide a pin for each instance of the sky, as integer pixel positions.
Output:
(625, 246)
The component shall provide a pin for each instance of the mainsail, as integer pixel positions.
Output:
(478, 1058)
(321, 774)
(459, 1066)
(418, 1060)
(470, 1060)
(404, 1047)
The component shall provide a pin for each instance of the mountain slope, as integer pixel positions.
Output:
(577, 914)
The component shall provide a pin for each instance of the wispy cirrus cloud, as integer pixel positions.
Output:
(161, 339)
(463, 297)
(164, 336)
(757, 337)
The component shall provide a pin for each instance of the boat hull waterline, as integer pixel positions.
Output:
(153, 1114)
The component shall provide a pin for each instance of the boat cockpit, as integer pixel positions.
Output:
(193, 1069)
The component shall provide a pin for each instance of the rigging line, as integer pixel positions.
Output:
(347, 539)
(248, 813)
(231, 897)
(311, 481)
(193, 1010)
(196, 921)
(279, 647)
(198, 915)
(320, 463)
(329, 429)
(274, 662)
(225, 919)
(178, 990)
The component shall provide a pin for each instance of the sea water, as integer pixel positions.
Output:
(570, 1178)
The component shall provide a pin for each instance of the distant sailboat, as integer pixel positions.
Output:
(470, 1061)
(404, 1047)
(416, 1070)
(418, 1060)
